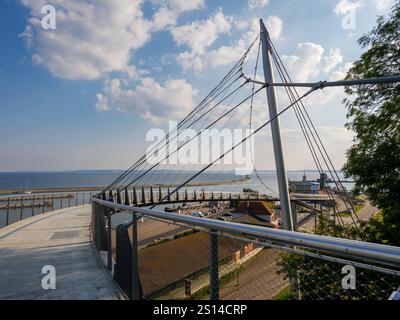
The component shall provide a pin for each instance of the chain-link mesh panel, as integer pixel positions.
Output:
(318, 279)
(175, 262)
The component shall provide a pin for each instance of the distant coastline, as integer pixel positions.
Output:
(88, 189)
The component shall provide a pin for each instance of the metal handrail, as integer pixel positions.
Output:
(378, 253)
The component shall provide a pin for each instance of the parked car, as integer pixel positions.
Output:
(197, 214)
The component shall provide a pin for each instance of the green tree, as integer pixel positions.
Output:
(374, 115)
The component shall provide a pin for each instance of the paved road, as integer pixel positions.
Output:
(258, 281)
(61, 239)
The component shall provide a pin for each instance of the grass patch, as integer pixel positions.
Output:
(344, 214)
(358, 207)
(285, 294)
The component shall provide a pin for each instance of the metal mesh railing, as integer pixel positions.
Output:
(181, 261)
(15, 208)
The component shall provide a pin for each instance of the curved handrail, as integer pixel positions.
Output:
(378, 253)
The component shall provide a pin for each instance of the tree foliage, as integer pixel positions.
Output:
(374, 115)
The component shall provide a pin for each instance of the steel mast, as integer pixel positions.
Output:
(276, 131)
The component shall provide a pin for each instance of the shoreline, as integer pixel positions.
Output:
(88, 189)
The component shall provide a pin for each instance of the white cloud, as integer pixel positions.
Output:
(255, 4)
(346, 6)
(309, 61)
(227, 54)
(169, 11)
(323, 97)
(274, 26)
(382, 5)
(181, 5)
(78, 49)
(304, 64)
(199, 35)
(151, 100)
(332, 60)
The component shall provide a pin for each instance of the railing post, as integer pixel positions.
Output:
(22, 208)
(214, 278)
(76, 199)
(143, 196)
(44, 203)
(135, 262)
(69, 200)
(8, 212)
(151, 195)
(119, 200)
(125, 262)
(135, 196)
(33, 206)
(109, 241)
(127, 201)
(61, 201)
(99, 228)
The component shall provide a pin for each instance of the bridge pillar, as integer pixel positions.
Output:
(143, 196)
(127, 200)
(135, 196)
(169, 195)
(151, 195)
(119, 197)
(275, 128)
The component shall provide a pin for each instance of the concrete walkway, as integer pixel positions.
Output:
(60, 239)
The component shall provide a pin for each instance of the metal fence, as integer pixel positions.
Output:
(159, 255)
(15, 208)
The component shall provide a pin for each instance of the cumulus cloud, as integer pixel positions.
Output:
(169, 11)
(304, 64)
(309, 61)
(153, 101)
(199, 35)
(255, 4)
(78, 49)
(382, 5)
(199, 60)
(346, 6)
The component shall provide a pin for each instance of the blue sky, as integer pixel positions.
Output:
(78, 97)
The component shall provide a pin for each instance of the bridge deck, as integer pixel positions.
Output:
(61, 239)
